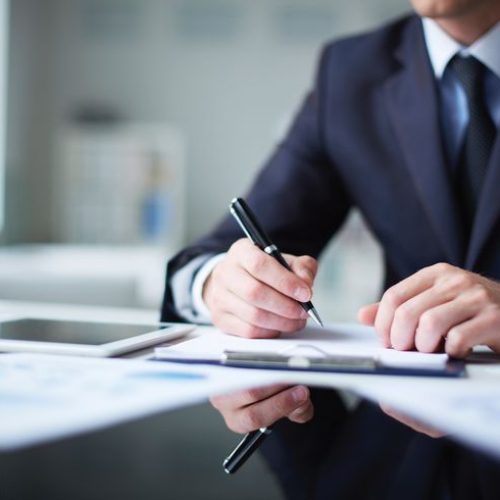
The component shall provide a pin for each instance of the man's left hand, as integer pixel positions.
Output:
(440, 303)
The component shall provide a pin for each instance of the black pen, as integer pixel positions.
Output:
(244, 450)
(251, 227)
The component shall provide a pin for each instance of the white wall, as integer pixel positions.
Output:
(4, 38)
(29, 122)
(227, 90)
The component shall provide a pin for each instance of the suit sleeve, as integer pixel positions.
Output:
(298, 195)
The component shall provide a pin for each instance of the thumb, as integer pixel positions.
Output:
(367, 314)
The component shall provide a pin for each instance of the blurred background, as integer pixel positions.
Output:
(126, 126)
(130, 124)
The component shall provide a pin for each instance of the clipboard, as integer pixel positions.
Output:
(312, 359)
(337, 364)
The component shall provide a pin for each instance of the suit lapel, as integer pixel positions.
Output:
(412, 101)
(488, 210)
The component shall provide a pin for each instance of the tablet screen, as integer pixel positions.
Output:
(71, 332)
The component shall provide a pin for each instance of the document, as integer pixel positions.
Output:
(44, 397)
(467, 410)
(336, 339)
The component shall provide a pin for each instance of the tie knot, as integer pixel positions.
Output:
(470, 73)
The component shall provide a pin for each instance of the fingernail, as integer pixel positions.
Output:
(299, 394)
(301, 294)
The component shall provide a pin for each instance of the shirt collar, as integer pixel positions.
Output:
(442, 47)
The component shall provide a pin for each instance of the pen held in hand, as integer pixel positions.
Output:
(252, 228)
(245, 449)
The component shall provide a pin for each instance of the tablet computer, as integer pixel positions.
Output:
(84, 338)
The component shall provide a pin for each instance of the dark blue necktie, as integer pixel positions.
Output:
(479, 136)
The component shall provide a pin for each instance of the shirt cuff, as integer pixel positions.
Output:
(199, 306)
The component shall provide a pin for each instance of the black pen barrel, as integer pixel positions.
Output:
(249, 223)
(244, 450)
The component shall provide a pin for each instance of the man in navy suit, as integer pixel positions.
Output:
(402, 124)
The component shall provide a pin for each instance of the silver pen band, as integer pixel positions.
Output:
(270, 249)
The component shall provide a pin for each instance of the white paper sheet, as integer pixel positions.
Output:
(337, 339)
(45, 397)
(467, 410)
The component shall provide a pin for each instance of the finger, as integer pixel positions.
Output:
(302, 414)
(411, 422)
(266, 269)
(435, 323)
(261, 316)
(367, 314)
(266, 412)
(304, 267)
(397, 295)
(262, 296)
(247, 397)
(407, 317)
(483, 329)
(229, 323)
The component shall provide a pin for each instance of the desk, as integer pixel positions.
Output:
(102, 455)
(174, 455)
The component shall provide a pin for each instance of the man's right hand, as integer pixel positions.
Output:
(251, 295)
(250, 410)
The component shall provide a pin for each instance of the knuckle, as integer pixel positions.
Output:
(392, 297)
(429, 321)
(287, 283)
(256, 263)
(441, 267)
(480, 294)
(257, 316)
(404, 314)
(239, 245)
(462, 280)
(495, 311)
(492, 316)
(254, 291)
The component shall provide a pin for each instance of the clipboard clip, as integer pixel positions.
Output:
(299, 357)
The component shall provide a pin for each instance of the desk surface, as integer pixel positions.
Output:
(468, 409)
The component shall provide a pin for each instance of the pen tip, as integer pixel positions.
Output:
(315, 316)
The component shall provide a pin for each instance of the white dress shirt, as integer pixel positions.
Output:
(188, 282)
(453, 101)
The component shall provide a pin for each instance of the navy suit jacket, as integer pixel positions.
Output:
(369, 136)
